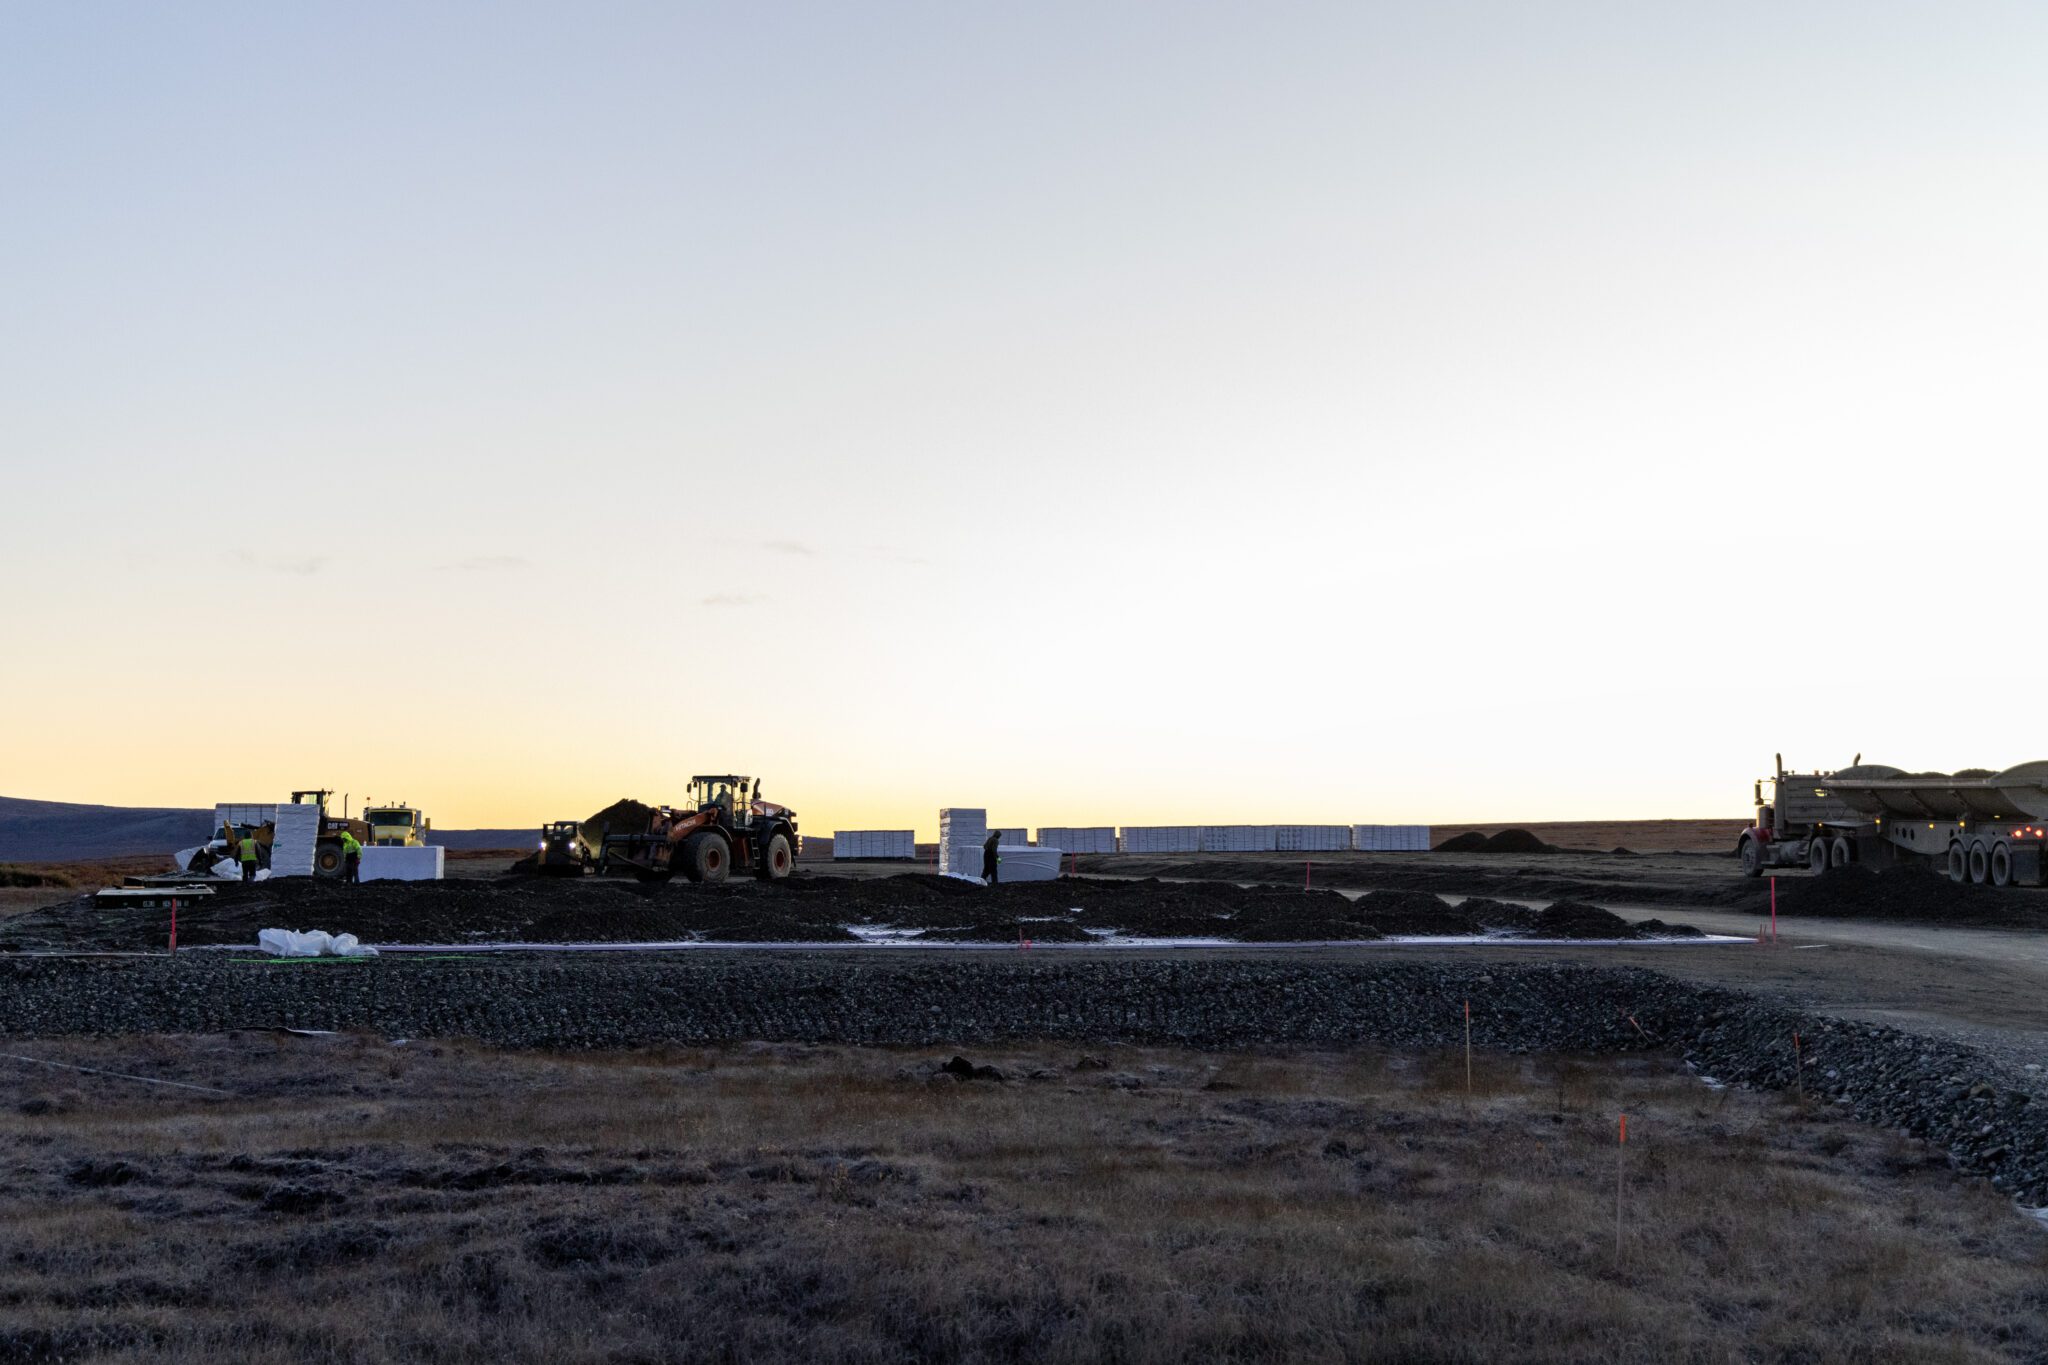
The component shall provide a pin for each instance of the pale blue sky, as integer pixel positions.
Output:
(507, 374)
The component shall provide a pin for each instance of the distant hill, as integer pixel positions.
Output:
(43, 831)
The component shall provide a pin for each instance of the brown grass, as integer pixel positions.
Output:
(358, 1201)
(31, 885)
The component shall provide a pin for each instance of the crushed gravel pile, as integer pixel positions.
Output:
(1988, 1120)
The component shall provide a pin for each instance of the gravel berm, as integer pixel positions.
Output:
(1938, 1091)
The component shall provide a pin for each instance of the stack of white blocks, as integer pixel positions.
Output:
(1162, 838)
(1313, 838)
(1078, 839)
(1390, 838)
(291, 851)
(1240, 838)
(1015, 838)
(874, 843)
(962, 831)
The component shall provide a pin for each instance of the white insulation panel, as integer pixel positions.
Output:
(874, 843)
(1390, 838)
(1078, 838)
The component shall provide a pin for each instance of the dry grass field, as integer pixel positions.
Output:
(30, 886)
(352, 1200)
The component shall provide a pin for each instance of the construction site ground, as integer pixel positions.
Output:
(1914, 951)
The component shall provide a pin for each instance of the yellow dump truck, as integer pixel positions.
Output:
(396, 825)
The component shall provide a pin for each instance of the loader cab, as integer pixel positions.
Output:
(727, 791)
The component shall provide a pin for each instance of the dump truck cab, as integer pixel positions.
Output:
(396, 825)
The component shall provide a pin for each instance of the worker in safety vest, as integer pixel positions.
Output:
(246, 851)
(351, 858)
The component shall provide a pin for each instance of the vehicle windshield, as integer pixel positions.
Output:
(389, 817)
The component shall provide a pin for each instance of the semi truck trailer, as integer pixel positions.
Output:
(1974, 825)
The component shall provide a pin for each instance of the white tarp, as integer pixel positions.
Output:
(1018, 863)
(400, 863)
(311, 943)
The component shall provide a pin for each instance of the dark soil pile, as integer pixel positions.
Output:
(1516, 841)
(1910, 893)
(624, 816)
(804, 909)
(1576, 919)
(1505, 841)
(1035, 930)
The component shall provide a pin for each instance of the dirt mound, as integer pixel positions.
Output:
(1036, 930)
(804, 909)
(1576, 919)
(1502, 841)
(1909, 893)
(624, 816)
(1516, 841)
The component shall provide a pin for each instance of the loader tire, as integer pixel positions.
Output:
(706, 858)
(778, 860)
(327, 860)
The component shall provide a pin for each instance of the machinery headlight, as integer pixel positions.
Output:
(542, 845)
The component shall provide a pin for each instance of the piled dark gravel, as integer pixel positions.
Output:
(804, 909)
(1911, 893)
(1937, 1091)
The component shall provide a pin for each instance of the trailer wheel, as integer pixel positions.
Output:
(1958, 864)
(1980, 864)
(1752, 855)
(2001, 866)
(706, 858)
(1840, 854)
(1817, 856)
(776, 859)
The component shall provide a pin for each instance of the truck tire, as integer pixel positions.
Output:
(1958, 864)
(1752, 855)
(2001, 866)
(778, 860)
(1980, 864)
(1840, 854)
(1817, 856)
(706, 858)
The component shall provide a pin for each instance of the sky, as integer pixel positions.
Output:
(1098, 413)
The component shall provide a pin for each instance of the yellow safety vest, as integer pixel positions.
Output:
(248, 850)
(350, 846)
